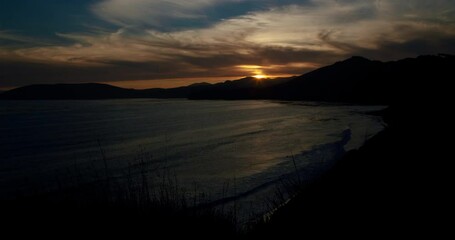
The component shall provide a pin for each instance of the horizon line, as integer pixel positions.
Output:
(166, 83)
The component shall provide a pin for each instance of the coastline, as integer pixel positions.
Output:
(382, 189)
(359, 191)
(94, 197)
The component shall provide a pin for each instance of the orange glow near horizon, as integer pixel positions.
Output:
(255, 71)
(260, 76)
(168, 83)
(181, 82)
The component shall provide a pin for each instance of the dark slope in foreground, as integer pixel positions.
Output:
(398, 184)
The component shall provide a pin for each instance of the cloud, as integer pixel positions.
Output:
(150, 12)
(289, 39)
(11, 39)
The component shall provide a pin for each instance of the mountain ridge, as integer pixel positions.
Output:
(354, 80)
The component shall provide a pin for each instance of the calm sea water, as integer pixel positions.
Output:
(203, 143)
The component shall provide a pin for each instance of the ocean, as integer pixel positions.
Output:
(229, 150)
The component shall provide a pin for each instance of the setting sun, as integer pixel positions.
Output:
(255, 71)
(260, 76)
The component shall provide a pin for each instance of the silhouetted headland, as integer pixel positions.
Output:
(397, 183)
(355, 80)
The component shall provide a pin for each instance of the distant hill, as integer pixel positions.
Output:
(69, 91)
(360, 80)
(355, 80)
(104, 91)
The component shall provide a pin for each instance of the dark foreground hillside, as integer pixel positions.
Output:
(397, 185)
(105, 210)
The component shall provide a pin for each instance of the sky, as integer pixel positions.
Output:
(167, 43)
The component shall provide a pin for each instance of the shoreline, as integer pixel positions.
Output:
(114, 207)
(383, 189)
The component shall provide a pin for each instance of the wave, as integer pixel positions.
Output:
(302, 168)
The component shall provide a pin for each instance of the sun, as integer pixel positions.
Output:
(260, 76)
(256, 71)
